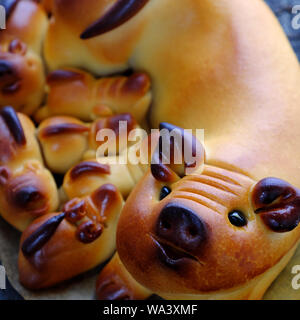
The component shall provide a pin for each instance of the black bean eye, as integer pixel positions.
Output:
(165, 191)
(237, 218)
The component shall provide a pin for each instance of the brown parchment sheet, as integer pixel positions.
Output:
(83, 287)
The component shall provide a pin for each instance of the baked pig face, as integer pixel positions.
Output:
(26, 193)
(213, 233)
(22, 77)
(27, 188)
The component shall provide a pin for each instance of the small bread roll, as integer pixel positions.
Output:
(27, 189)
(118, 169)
(66, 141)
(63, 141)
(22, 79)
(89, 175)
(59, 246)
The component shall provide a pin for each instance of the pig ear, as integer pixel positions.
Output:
(278, 204)
(14, 124)
(177, 154)
(62, 76)
(121, 12)
(5, 174)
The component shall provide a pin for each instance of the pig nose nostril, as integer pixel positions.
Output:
(181, 227)
(192, 232)
(5, 68)
(9, 80)
(166, 224)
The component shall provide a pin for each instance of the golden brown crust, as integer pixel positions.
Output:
(28, 23)
(115, 16)
(97, 169)
(94, 174)
(191, 84)
(48, 5)
(116, 283)
(27, 193)
(27, 189)
(221, 82)
(228, 256)
(64, 140)
(121, 125)
(64, 32)
(22, 77)
(76, 93)
(54, 248)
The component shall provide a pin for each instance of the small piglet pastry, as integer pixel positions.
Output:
(65, 141)
(27, 188)
(59, 246)
(122, 169)
(77, 93)
(22, 79)
(212, 233)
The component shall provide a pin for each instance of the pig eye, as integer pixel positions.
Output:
(237, 218)
(165, 191)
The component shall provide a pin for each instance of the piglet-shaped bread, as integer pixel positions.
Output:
(27, 188)
(77, 93)
(22, 79)
(65, 141)
(212, 233)
(59, 246)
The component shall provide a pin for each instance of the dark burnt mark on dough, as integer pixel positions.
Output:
(9, 6)
(63, 76)
(41, 236)
(89, 231)
(14, 125)
(89, 167)
(121, 12)
(62, 128)
(278, 204)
